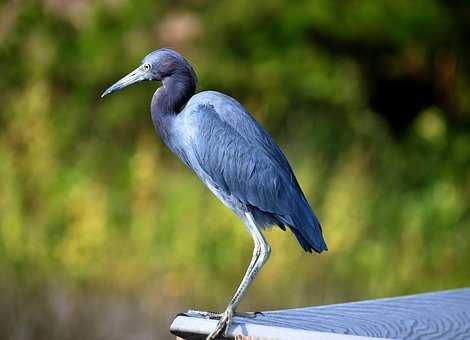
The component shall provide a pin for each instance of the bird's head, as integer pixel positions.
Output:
(157, 65)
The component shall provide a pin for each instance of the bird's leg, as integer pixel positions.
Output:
(214, 315)
(254, 258)
(261, 254)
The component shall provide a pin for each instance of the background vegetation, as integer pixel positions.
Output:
(104, 234)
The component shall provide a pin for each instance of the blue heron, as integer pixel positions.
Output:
(232, 155)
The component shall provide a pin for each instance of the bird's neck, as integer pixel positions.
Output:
(168, 101)
(175, 92)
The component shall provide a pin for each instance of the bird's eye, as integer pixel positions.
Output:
(147, 67)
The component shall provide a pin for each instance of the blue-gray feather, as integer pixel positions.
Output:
(231, 152)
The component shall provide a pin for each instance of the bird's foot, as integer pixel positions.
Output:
(204, 314)
(223, 325)
(214, 315)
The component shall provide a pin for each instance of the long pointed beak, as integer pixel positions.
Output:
(134, 77)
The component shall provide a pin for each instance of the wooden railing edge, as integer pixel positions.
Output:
(184, 326)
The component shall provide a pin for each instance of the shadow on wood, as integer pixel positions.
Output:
(437, 315)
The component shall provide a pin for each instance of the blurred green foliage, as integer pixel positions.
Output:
(369, 99)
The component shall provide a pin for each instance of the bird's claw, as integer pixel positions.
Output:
(223, 325)
(214, 315)
(225, 319)
(204, 314)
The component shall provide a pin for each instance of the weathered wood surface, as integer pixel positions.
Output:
(438, 315)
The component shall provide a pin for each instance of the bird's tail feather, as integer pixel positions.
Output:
(306, 228)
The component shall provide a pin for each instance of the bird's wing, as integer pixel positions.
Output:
(242, 159)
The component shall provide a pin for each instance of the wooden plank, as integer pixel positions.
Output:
(438, 315)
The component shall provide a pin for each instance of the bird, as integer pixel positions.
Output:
(233, 155)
